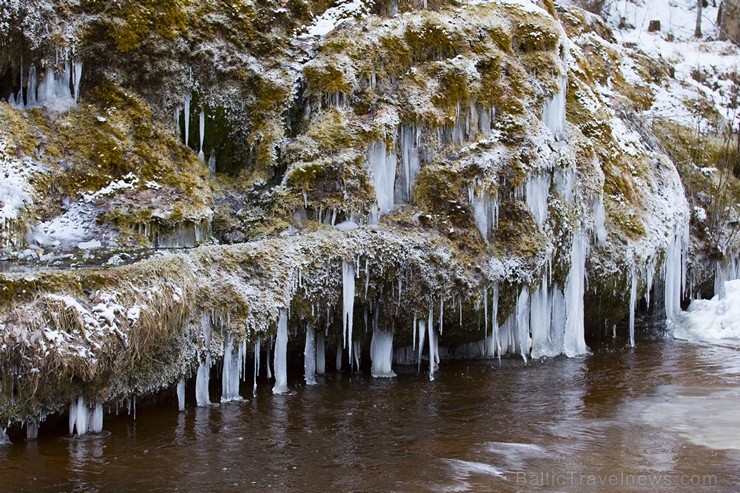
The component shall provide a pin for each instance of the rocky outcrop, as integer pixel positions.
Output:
(473, 176)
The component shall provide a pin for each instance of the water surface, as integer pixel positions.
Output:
(661, 417)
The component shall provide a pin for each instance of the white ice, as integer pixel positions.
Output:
(381, 353)
(281, 354)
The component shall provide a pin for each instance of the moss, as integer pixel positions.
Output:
(431, 41)
(535, 34)
(141, 19)
(326, 78)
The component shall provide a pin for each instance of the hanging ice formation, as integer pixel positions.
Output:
(600, 233)
(82, 420)
(57, 92)
(202, 129)
(212, 162)
(203, 376)
(633, 303)
(187, 118)
(553, 111)
(485, 211)
(674, 269)
(410, 163)
(32, 430)
(309, 356)
(281, 354)
(233, 369)
(381, 353)
(383, 168)
(575, 342)
(181, 394)
(320, 354)
(433, 344)
(537, 192)
(348, 304)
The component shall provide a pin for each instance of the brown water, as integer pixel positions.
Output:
(666, 413)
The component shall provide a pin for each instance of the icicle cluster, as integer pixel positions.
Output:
(57, 92)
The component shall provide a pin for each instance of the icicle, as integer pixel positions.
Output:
(540, 322)
(212, 163)
(485, 211)
(383, 168)
(187, 119)
(441, 314)
(553, 112)
(522, 323)
(381, 353)
(320, 354)
(633, 302)
(494, 321)
(537, 190)
(268, 358)
(410, 163)
(339, 357)
(674, 270)
(256, 366)
(32, 431)
(77, 74)
(575, 342)
(202, 129)
(348, 306)
(181, 394)
(600, 233)
(281, 354)
(356, 355)
(81, 417)
(485, 311)
(413, 333)
(309, 356)
(96, 423)
(432, 343)
(231, 371)
(4, 440)
(202, 381)
(31, 91)
(422, 336)
(649, 279)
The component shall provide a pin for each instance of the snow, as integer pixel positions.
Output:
(16, 189)
(716, 61)
(344, 11)
(715, 321)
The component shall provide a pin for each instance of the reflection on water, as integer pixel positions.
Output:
(665, 412)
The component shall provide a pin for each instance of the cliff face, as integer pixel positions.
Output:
(339, 162)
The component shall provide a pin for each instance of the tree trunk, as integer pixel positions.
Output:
(699, 6)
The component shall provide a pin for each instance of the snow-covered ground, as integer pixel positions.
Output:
(715, 321)
(703, 67)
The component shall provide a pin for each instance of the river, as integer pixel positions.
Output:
(661, 417)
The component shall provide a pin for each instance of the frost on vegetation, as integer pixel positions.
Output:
(335, 16)
(16, 193)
